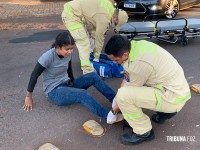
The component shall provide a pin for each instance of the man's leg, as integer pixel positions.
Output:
(167, 110)
(92, 79)
(80, 35)
(64, 95)
(83, 46)
(131, 100)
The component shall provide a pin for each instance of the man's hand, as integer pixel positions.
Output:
(28, 104)
(96, 59)
(115, 107)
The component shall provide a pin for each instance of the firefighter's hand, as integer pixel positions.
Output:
(28, 103)
(115, 106)
(96, 59)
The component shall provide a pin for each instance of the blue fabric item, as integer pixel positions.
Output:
(103, 69)
(107, 68)
(78, 94)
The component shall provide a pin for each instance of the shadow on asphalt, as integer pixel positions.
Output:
(37, 37)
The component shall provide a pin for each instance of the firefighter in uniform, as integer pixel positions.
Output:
(153, 80)
(98, 15)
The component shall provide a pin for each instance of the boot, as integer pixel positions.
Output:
(133, 138)
(126, 125)
(160, 117)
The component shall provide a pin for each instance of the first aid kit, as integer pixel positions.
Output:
(107, 68)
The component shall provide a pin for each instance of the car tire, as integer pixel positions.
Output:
(171, 9)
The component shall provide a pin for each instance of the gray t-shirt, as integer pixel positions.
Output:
(56, 69)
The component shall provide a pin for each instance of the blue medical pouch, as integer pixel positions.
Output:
(107, 68)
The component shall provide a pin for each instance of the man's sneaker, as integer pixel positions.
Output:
(111, 118)
(160, 117)
(133, 138)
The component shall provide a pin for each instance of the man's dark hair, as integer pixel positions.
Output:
(63, 39)
(117, 45)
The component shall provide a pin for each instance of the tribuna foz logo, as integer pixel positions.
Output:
(180, 138)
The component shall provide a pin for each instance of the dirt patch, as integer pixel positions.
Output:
(30, 2)
(22, 26)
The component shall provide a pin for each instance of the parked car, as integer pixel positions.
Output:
(168, 8)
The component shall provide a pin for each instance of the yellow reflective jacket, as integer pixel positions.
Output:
(151, 65)
(96, 13)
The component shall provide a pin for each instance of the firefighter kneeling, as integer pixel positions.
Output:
(153, 80)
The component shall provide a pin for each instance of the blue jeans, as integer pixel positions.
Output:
(64, 95)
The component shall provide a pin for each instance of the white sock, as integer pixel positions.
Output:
(111, 118)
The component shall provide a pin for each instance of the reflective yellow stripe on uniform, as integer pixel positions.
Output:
(153, 48)
(85, 63)
(132, 52)
(142, 47)
(179, 100)
(159, 100)
(135, 51)
(108, 6)
(74, 27)
(160, 87)
(133, 116)
(96, 54)
(68, 10)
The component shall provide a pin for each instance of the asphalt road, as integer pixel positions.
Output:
(62, 126)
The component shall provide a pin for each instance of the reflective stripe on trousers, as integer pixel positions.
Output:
(85, 63)
(178, 100)
(159, 100)
(96, 55)
(133, 116)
